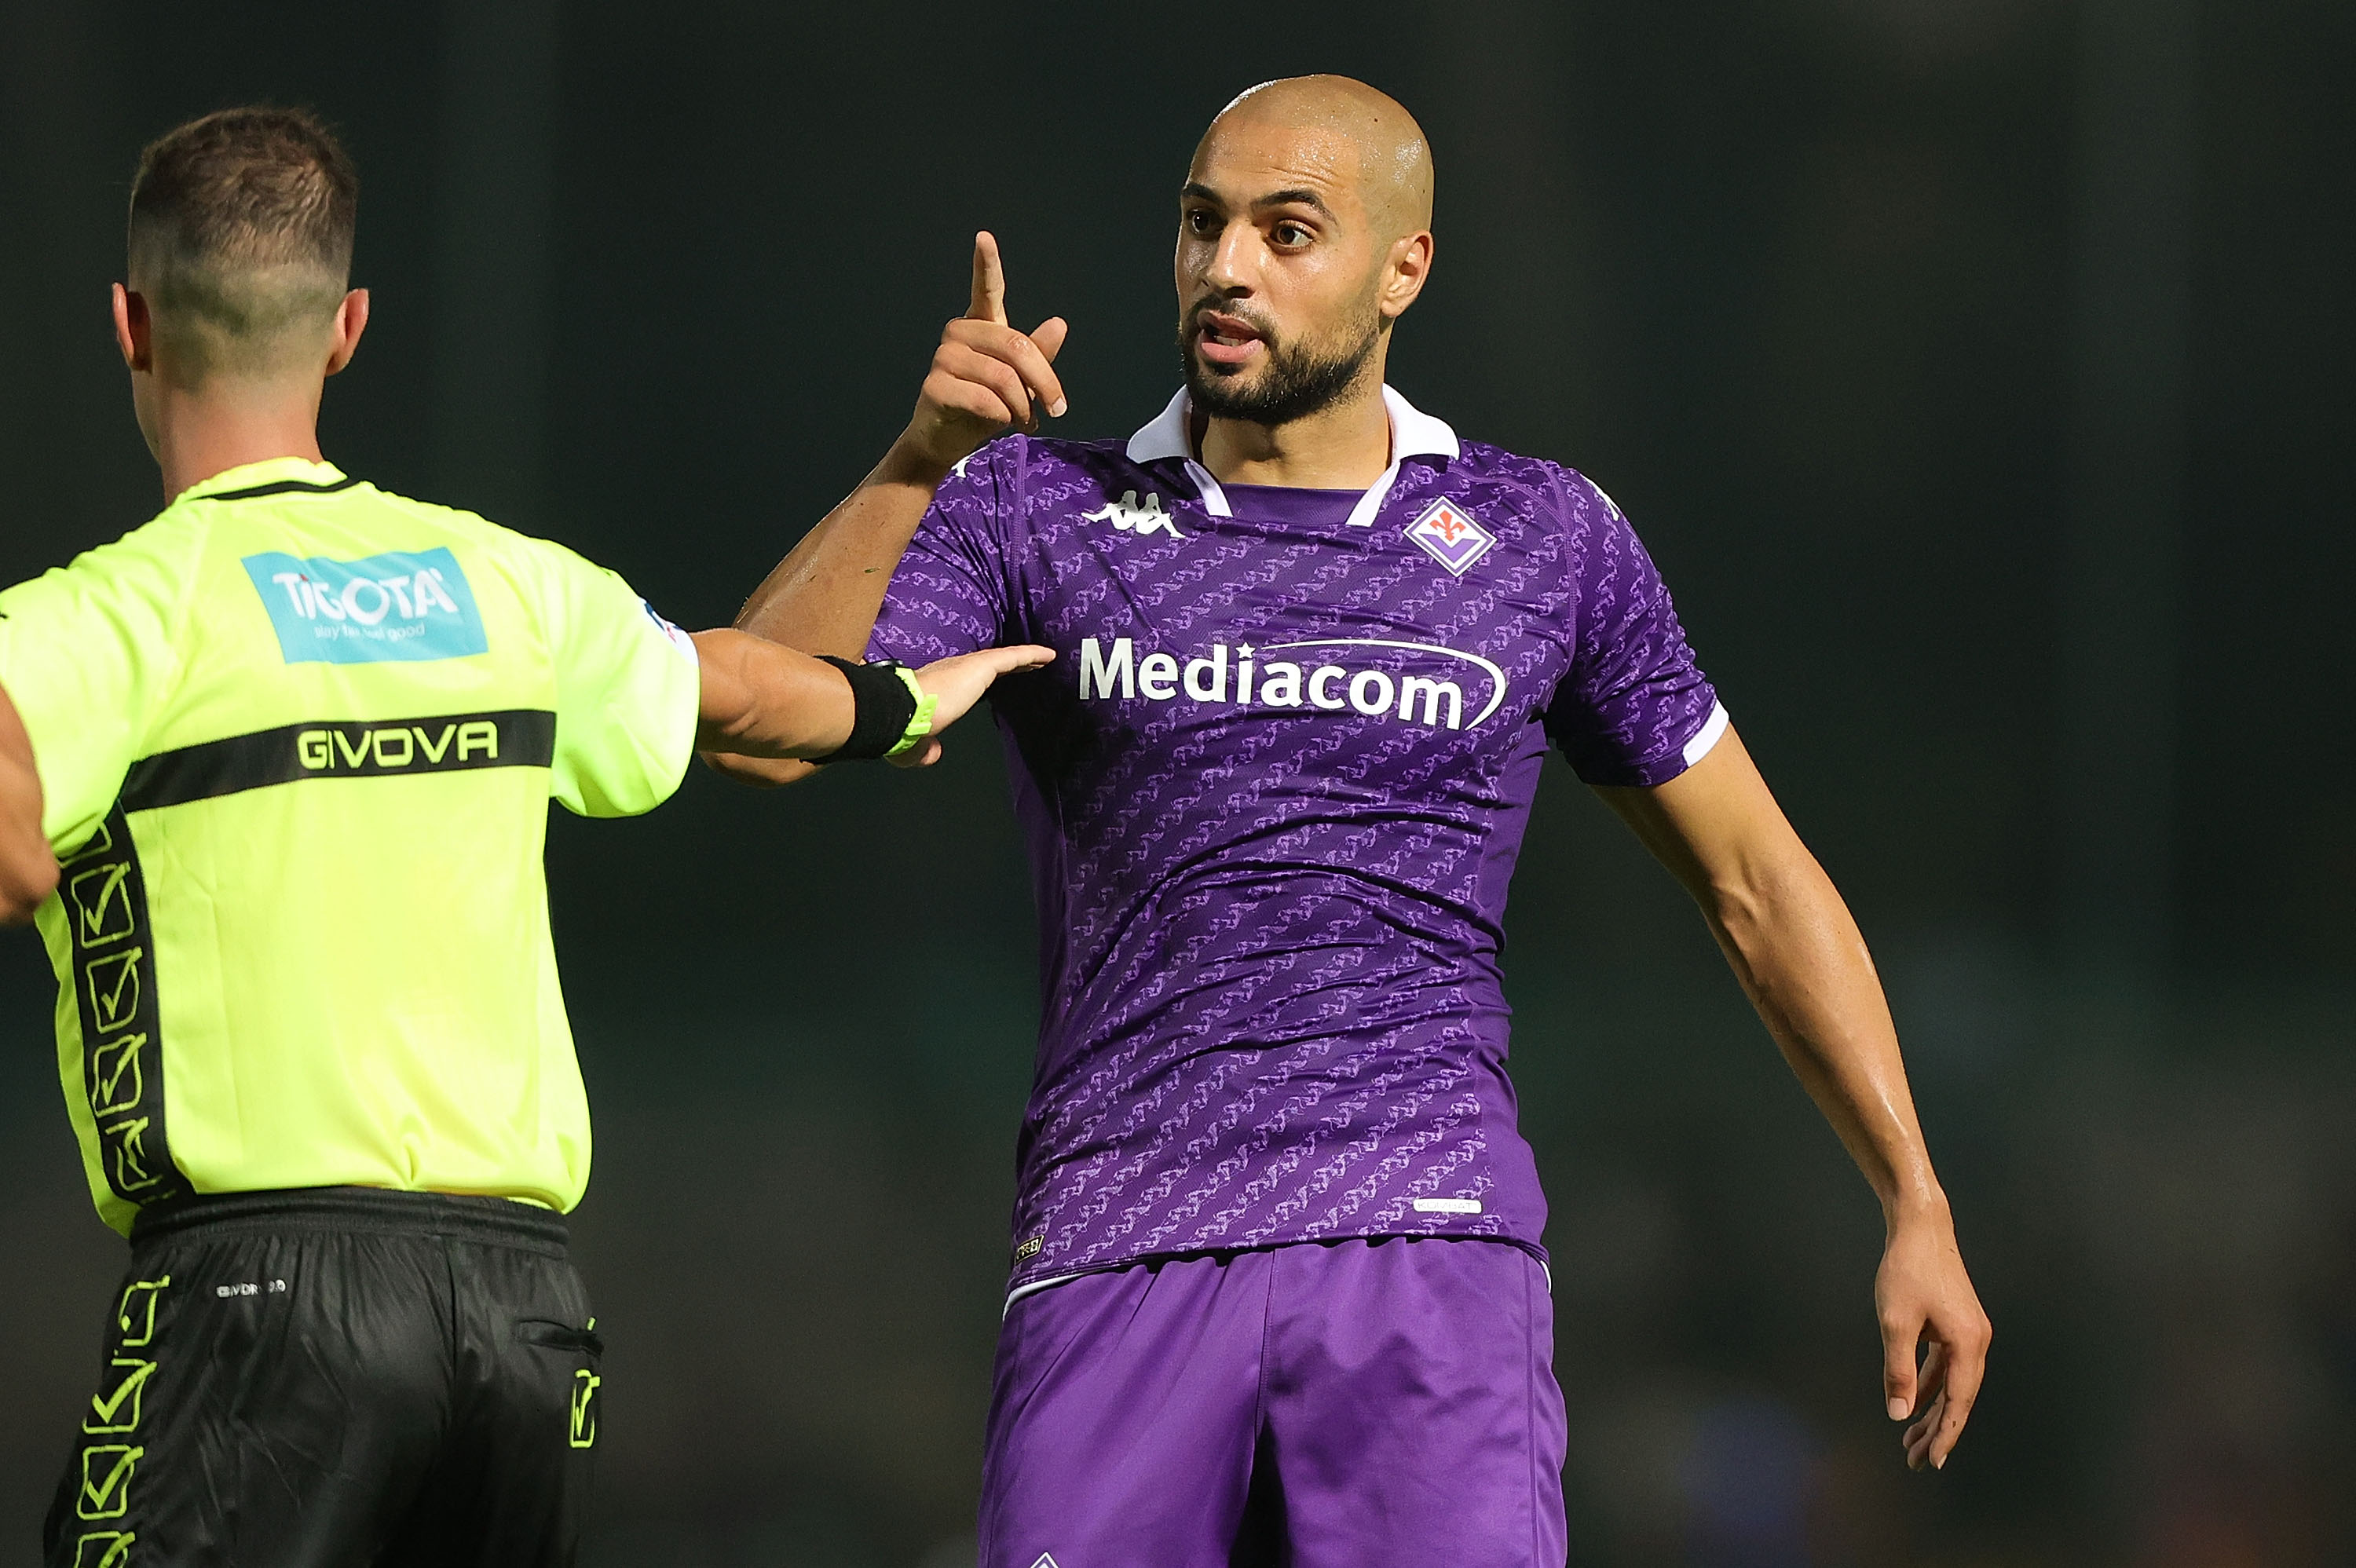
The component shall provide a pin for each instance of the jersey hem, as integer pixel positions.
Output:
(1020, 1286)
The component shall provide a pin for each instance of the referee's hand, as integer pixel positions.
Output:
(986, 376)
(957, 684)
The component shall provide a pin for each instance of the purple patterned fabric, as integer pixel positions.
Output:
(1363, 1401)
(1273, 788)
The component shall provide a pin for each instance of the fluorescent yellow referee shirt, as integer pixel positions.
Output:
(298, 738)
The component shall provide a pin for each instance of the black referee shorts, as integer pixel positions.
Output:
(338, 1377)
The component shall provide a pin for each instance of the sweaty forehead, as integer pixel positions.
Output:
(1244, 163)
(1356, 147)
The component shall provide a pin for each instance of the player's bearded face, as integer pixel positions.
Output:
(1296, 375)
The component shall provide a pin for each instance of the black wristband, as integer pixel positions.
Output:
(880, 707)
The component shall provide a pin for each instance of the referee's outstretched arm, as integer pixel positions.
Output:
(986, 378)
(763, 699)
(28, 869)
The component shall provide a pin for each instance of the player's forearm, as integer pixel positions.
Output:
(823, 598)
(28, 871)
(761, 699)
(1800, 957)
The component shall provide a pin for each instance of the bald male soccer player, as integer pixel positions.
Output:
(294, 742)
(1278, 1289)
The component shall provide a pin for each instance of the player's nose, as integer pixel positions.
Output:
(1232, 267)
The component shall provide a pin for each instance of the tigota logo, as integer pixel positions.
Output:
(407, 605)
(1416, 683)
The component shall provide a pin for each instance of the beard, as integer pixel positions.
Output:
(1298, 379)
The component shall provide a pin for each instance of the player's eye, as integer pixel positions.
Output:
(1198, 221)
(1292, 235)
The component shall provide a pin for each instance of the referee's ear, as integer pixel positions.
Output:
(135, 330)
(351, 320)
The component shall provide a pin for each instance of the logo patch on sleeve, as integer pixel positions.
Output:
(1447, 533)
(406, 605)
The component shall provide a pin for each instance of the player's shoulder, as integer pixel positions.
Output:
(1539, 488)
(1033, 461)
(1027, 476)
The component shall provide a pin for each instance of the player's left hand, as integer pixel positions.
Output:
(959, 682)
(1922, 1295)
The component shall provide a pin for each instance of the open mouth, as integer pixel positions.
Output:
(1227, 341)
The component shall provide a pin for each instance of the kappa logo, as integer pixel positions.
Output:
(1447, 532)
(1129, 517)
(1046, 1560)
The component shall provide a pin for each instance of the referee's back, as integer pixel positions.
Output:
(299, 737)
(294, 741)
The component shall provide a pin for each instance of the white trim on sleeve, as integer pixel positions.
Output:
(1712, 730)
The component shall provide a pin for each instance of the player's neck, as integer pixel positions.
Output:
(1343, 446)
(196, 434)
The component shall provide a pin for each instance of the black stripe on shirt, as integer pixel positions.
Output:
(382, 748)
(113, 981)
(281, 487)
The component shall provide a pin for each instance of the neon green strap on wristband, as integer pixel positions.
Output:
(920, 722)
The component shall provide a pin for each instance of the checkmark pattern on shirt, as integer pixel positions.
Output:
(115, 992)
(102, 904)
(122, 1058)
(114, 1083)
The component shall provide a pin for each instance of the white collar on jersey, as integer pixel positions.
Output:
(1413, 434)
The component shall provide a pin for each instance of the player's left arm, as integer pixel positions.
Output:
(28, 870)
(1802, 960)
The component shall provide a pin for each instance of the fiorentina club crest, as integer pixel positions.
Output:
(1449, 536)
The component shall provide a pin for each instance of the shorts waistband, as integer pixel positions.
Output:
(377, 1211)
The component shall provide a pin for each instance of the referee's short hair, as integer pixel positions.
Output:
(240, 242)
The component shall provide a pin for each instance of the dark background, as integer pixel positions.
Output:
(1973, 367)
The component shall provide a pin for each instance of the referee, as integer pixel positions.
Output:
(273, 780)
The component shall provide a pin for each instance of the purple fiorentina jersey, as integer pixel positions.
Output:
(1273, 786)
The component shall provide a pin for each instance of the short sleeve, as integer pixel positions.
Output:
(949, 594)
(629, 687)
(1634, 707)
(91, 653)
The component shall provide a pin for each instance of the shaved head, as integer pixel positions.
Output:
(1393, 161)
(1303, 232)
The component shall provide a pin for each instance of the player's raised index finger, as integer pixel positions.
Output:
(988, 281)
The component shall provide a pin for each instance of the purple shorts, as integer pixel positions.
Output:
(1325, 1404)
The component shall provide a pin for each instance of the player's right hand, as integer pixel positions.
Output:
(957, 683)
(986, 376)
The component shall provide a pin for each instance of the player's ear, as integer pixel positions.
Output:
(1404, 271)
(134, 332)
(351, 320)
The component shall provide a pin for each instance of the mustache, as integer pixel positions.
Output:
(1191, 320)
